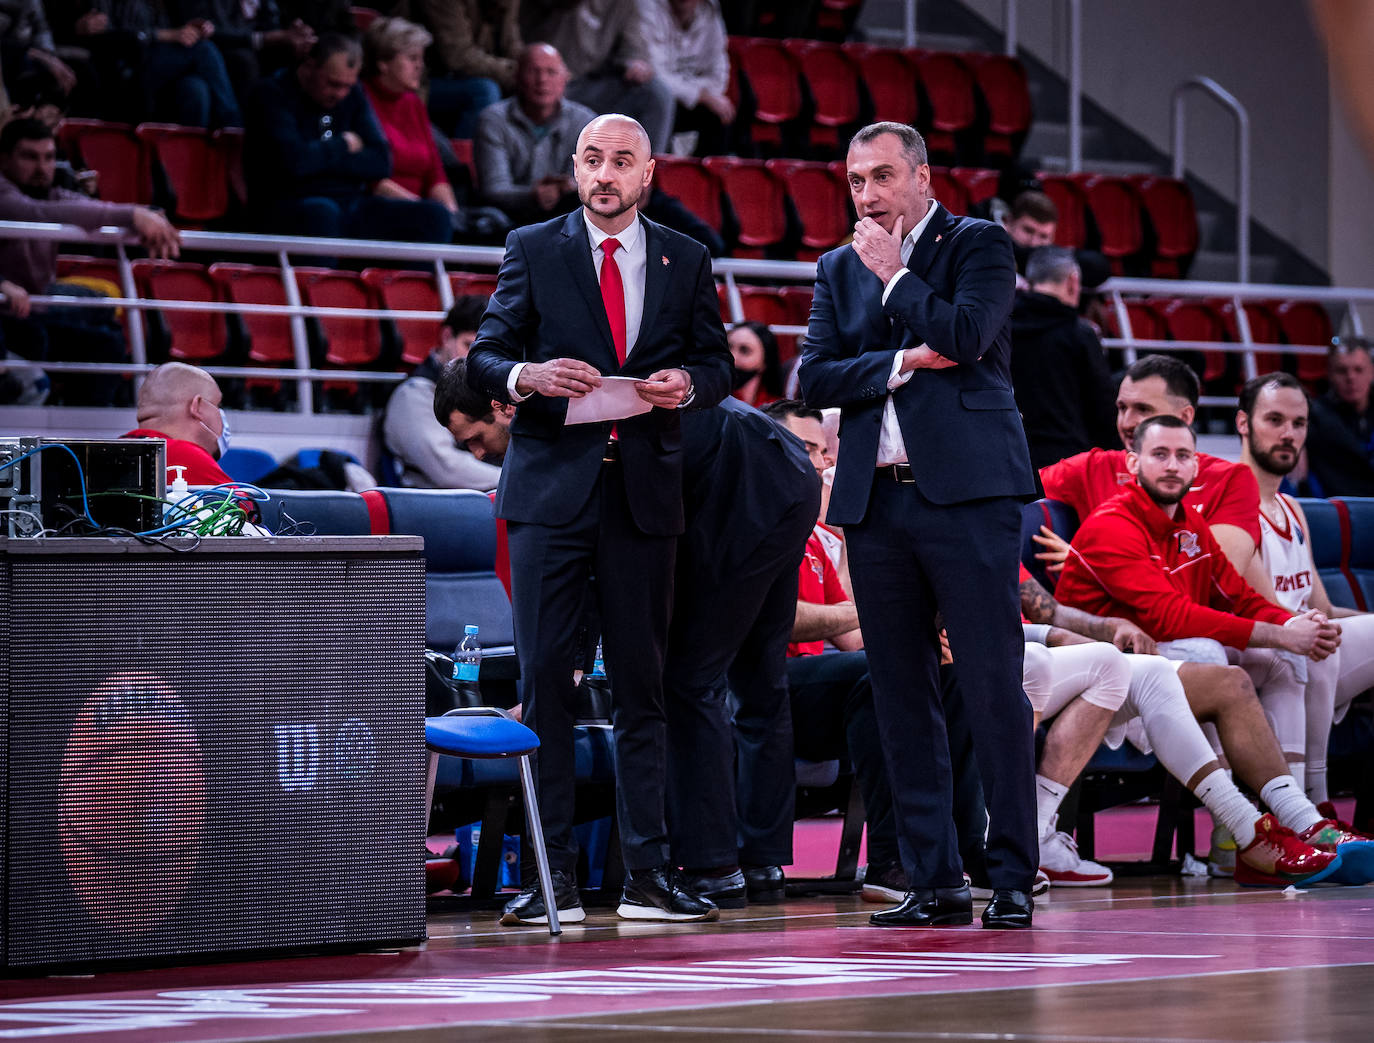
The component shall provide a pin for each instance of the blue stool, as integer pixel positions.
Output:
(486, 733)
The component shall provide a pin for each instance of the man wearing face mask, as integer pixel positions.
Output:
(181, 404)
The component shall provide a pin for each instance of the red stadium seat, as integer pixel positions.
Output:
(759, 199)
(1264, 329)
(112, 150)
(953, 113)
(1146, 323)
(193, 336)
(891, 80)
(980, 183)
(767, 304)
(197, 169)
(697, 188)
(269, 336)
(833, 79)
(1306, 322)
(408, 291)
(820, 195)
(363, 17)
(1072, 203)
(352, 343)
(775, 80)
(1198, 321)
(1116, 208)
(948, 190)
(105, 269)
(1173, 216)
(474, 284)
(798, 300)
(1001, 81)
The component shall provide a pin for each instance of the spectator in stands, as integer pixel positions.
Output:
(525, 144)
(183, 72)
(473, 61)
(602, 42)
(393, 63)
(686, 46)
(758, 374)
(425, 452)
(1340, 442)
(313, 150)
(1272, 423)
(181, 403)
(27, 46)
(1058, 368)
(250, 36)
(28, 160)
(478, 426)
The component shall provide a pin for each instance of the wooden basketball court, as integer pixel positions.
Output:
(1144, 959)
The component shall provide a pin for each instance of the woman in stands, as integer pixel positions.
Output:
(758, 373)
(393, 64)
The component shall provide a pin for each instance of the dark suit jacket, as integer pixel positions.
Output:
(745, 474)
(547, 305)
(961, 428)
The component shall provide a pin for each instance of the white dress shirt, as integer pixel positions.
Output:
(891, 447)
(632, 261)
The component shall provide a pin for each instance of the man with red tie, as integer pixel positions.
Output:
(601, 292)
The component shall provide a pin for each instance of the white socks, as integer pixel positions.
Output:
(1228, 806)
(1048, 796)
(1284, 797)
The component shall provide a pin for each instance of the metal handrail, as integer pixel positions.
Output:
(1228, 101)
(728, 270)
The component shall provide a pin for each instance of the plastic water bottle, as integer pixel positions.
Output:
(598, 664)
(467, 662)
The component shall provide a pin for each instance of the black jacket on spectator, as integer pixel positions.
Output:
(293, 149)
(1340, 449)
(1060, 378)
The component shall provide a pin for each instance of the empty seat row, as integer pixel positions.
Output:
(810, 94)
(202, 336)
(1271, 322)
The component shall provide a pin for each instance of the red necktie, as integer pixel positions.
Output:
(613, 296)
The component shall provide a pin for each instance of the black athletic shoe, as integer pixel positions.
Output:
(651, 894)
(528, 906)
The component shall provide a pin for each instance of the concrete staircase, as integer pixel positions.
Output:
(1109, 146)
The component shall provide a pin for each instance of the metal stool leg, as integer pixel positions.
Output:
(536, 832)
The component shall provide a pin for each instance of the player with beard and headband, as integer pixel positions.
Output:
(1142, 557)
(1272, 422)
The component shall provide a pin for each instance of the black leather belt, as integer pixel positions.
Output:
(896, 472)
(611, 454)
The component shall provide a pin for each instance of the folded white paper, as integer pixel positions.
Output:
(615, 399)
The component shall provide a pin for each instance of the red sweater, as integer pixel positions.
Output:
(1225, 493)
(201, 468)
(415, 164)
(1168, 576)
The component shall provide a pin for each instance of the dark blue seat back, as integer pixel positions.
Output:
(1060, 517)
(315, 512)
(247, 465)
(461, 585)
(1360, 546)
(1326, 530)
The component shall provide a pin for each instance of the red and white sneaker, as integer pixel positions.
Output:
(1061, 862)
(1355, 848)
(1277, 858)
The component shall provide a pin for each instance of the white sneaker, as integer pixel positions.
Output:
(983, 894)
(1221, 859)
(1065, 867)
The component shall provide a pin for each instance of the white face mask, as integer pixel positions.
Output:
(221, 439)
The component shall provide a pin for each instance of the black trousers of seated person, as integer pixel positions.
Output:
(731, 776)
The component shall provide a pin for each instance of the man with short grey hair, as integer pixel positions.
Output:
(1058, 369)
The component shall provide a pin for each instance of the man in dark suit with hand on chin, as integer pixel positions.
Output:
(601, 291)
(910, 336)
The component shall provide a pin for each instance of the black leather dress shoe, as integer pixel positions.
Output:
(528, 906)
(725, 891)
(929, 907)
(653, 894)
(765, 884)
(1008, 908)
